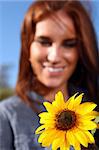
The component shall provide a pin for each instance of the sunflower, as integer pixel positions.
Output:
(66, 124)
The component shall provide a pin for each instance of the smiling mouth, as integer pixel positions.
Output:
(54, 69)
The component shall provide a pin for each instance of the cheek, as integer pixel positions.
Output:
(71, 57)
(35, 59)
(36, 53)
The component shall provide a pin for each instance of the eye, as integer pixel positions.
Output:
(70, 43)
(45, 42)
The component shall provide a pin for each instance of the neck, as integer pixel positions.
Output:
(50, 96)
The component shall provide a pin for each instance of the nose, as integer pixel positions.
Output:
(54, 55)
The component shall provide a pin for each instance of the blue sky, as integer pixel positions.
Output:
(11, 17)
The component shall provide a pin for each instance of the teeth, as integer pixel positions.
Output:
(50, 69)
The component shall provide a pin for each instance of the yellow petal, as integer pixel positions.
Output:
(70, 137)
(40, 129)
(59, 97)
(72, 140)
(48, 123)
(77, 146)
(45, 138)
(80, 136)
(87, 125)
(56, 144)
(46, 143)
(88, 116)
(44, 114)
(70, 102)
(60, 142)
(65, 148)
(41, 137)
(65, 145)
(78, 100)
(51, 136)
(85, 108)
(90, 137)
(46, 117)
(49, 107)
(59, 100)
(93, 113)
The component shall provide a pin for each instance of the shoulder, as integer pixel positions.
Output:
(9, 100)
(5, 132)
(7, 106)
(5, 126)
(13, 107)
(16, 122)
(10, 103)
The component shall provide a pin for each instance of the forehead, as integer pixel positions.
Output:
(58, 23)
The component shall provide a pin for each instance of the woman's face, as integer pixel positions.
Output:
(53, 53)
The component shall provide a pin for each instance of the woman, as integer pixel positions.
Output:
(58, 52)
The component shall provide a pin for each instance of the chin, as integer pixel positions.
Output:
(52, 84)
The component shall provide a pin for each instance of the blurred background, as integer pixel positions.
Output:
(11, 17)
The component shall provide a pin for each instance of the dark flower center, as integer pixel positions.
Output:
(65, 120)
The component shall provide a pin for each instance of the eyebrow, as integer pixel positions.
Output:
(43, 38)
(50, 39)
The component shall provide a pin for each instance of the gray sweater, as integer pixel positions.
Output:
(17, 125)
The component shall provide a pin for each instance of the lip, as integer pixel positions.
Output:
(54, 70)
(54, 67)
